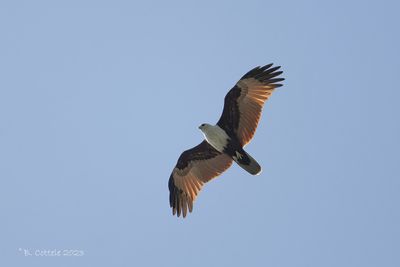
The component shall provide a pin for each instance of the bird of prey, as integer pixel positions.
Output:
(224, 141)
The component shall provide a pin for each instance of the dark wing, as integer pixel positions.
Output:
(244, 102)
(195, 167)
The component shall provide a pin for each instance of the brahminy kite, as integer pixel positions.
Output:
(224, 141)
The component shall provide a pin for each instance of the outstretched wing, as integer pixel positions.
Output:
(244, 102)
(195, 167)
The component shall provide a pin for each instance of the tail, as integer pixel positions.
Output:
(247, 162)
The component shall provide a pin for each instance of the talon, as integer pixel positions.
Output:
(238, 155)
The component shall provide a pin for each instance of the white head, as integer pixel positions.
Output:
(215, 136)
(204, 127)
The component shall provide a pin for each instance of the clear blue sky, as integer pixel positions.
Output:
(98, 99)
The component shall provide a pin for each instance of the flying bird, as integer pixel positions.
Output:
(224, 141)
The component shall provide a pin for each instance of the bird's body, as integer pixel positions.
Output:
(224, 142)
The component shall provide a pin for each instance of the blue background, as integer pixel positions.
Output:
(98, 99)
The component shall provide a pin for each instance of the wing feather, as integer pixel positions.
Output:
(244, 102)
(194, 168)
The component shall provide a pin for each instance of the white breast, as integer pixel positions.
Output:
(216, 137)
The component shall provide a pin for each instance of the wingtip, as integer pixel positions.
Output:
(265, 67)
